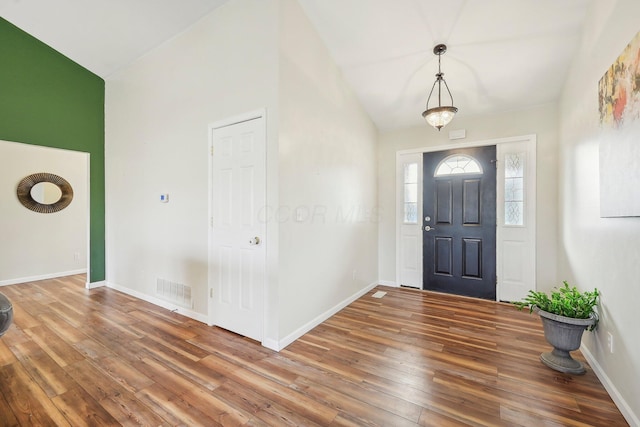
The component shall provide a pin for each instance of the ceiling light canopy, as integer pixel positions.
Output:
(439, 116)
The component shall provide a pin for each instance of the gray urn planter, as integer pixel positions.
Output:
(565, 335)
(6, 314)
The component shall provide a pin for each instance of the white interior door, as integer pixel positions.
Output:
(237, 255)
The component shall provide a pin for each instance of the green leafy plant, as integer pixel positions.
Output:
(565, 301)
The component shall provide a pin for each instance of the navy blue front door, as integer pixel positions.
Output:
(459, 224)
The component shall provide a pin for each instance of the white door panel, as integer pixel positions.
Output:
(516, 230)
(237, 261)
(409, 194)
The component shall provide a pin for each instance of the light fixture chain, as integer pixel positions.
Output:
(439, 116)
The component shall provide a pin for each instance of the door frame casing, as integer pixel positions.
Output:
(530, 141)
(230, 121)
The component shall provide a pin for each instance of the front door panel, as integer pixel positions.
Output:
(459, 227)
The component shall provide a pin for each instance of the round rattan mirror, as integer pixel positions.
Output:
(26, 196)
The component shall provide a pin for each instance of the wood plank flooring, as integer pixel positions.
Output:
(77, 357)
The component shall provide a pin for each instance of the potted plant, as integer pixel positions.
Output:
(564, 315)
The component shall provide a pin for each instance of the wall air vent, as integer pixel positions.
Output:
(174, 292)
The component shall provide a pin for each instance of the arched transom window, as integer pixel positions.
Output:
(458, 164)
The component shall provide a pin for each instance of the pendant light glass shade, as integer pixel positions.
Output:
(439, 116)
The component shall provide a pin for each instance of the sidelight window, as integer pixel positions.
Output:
(514, 189)
(411, 193)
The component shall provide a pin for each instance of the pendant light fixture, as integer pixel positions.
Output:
(439, 116)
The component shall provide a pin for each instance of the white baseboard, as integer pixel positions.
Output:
(281, 344)
(267, 342)
(621, 403)
(271, 344)
(41, 277)
(93, 285)
(161, 303)
(388, 283)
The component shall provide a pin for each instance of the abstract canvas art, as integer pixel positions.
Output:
(619, 88)
(619, 108)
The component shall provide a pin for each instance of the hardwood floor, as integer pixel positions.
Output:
(78, 357)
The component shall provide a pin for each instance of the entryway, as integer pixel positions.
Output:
(456, 254)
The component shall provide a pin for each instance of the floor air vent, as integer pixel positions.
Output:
(174, 292)
(379, 294)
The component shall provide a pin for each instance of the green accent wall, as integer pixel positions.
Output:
(47, 99)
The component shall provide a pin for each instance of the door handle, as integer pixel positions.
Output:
(254, 241)
(429, 228)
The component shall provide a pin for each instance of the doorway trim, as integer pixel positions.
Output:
(530, 142)
(86, 159)
(240, 118)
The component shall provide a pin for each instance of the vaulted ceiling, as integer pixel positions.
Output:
(502, 54)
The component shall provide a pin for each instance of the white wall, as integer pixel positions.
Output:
(321, 157)
(328, 171)
(34, 245)
(599, 252)
(157, 115)
(541, 121)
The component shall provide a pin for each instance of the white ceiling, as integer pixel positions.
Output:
(502, 54)
(105, 35)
